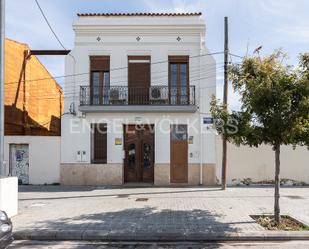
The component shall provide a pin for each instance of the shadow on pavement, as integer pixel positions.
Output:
(140, 223)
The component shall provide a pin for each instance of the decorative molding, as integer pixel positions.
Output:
(89, 30)
(171, 43)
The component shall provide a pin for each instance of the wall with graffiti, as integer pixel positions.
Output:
(19, 162)
(33, 159)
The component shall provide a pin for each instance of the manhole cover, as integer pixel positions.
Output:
(141, 199)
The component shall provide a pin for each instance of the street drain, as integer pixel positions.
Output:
(122, 196)
(141, 199)
(295, 197)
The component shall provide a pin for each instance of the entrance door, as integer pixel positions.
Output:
(138, 79)
(19, 162)
(179, 154)
(139, 153)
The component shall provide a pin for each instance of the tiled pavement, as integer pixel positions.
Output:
(145, 213)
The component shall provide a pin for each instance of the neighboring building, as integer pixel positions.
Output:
(142, 90)
(32, 117)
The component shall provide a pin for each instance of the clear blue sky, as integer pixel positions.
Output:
(271, 23)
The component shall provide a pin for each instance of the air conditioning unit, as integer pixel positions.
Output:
(155, 93)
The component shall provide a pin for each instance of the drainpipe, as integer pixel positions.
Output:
(74, 84)
(200, 115)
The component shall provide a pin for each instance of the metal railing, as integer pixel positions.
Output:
(123, 95)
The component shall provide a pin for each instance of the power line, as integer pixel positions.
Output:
(50, 27)
(155, 75)
(65, 113)
(238, 56)
(156, 80)
(112, 69)
(193, 78)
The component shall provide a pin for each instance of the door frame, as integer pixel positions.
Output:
(139, 140)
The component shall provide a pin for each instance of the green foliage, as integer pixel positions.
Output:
(275, 102)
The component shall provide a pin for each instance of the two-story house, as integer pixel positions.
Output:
(141, 86)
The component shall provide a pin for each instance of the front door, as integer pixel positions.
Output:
(139, 153)
(19, 162)
(179, 154)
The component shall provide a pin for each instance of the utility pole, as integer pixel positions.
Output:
(2, 39)
(225, 97)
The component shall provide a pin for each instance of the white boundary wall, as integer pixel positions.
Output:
(9, 195)
(259, 163)
(44, 157)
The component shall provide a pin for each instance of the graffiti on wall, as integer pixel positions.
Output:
(19, 163)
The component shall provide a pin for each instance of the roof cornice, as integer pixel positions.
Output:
(137, 14)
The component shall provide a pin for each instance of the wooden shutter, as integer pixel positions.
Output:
(99, 63)
(99, 143)
(178, 59)
(139, 79)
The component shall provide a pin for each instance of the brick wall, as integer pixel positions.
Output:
(32, 107)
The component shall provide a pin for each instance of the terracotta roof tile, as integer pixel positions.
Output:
(140, 14)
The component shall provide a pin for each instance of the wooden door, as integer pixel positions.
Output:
(139, 154)
(138, 79)
(179, 154)
(147, 154)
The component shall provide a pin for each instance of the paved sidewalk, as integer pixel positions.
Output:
(156, 245)
(58, 212)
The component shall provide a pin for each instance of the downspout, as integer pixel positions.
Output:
(74, 84)
(200, 115)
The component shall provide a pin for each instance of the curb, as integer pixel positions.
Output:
(103, 235)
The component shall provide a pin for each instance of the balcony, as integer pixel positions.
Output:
(125, 99)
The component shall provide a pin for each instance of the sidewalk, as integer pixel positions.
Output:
(148, 214)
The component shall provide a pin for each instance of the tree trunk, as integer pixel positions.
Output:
(277, 184)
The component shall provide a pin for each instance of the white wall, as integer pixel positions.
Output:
(118, 40)
(78, 138)
(9, 195)
(259, 163)
(44, 157)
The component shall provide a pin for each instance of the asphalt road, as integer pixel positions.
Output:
(129, 245)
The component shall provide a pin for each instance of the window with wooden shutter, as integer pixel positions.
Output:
(99, 143)
(99, 79)
(179, 80)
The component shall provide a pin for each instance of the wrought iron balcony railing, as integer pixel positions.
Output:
(123, 95)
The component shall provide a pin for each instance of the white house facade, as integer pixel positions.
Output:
(140, 87)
